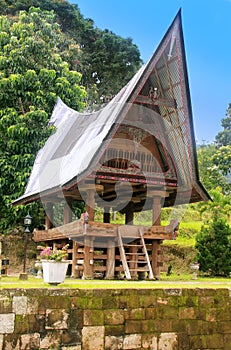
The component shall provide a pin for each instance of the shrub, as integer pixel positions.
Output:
(214, 247)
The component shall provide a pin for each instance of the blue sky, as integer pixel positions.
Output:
(207, 36)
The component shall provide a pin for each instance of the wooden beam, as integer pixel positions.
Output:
(155, 266)
(74, 271)
(106, 215)
(49, 216)
(88, 272)
(110, 271)
(75, 230)
(170, 103)
(156, 210)
(67, 215)
(90, 204)
(129, 214)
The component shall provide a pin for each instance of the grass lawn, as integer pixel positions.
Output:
(173, 281)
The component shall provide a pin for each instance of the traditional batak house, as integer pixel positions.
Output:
(138, 153)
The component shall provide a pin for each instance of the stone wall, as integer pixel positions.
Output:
(157, 319)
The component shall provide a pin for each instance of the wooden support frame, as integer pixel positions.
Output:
(88, 272)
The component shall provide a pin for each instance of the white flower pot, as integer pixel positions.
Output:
(54, 272)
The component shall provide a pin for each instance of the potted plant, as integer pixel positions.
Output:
(53, 264)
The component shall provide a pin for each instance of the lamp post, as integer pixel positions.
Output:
(27, 223)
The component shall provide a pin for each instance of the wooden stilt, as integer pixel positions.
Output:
(67, 215)
(155, 267)
(88, 259)
(156, 218)
(74, 272)
(156, 211)
(88, 272)
(110, 272)
(49, 216)
(106, 215)
(129, 214)
(129, 217)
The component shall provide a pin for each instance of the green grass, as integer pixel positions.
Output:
(173, 281)
(182, 242)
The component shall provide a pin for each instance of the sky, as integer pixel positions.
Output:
(207, 37)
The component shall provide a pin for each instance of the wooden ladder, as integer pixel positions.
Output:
(140, 256)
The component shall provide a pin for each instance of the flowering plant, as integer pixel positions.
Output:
(54, 254)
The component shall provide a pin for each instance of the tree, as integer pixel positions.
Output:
(107, 61)
(32, 75)
(209, 169)
(219, 200)
(222, 159)
(214, 247)
(223, 138)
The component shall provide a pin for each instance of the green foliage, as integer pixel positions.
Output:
(106, 61)
(32, 76)
(214, 247)
(219, 202)
(210, 174)
(222, 159)
(223, 138)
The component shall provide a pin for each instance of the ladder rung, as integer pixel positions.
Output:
(133, 245)
(140, 254)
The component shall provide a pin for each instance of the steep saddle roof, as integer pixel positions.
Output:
(156, 102)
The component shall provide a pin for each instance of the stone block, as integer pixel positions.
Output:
(30, 341)
(166, 312)
(20, 305)
(54, 302)
(189, 301)
(150, 313)
(32, 306)
(227, 341)
(7, 323)
(194, 327)
(56, 319)
(148, 326)
(173, 291)
(147, 301)
(132, 341)
(206, 301)
(211, 315)
(225, 327)
(52, 340)
(114, 330)
(69, 337)
(114, 317)
(208, 341)
(149, 341)
(5, 305)
(1, 341)
(110, 303)
(136, 314)
(11, 341)
(93, 318)
(163, 301)
(164, 325)
(22, 324)
(187, 313)
(132, 326)
(93, 338)
(183, 341)
(113, 343)
(168, 341)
